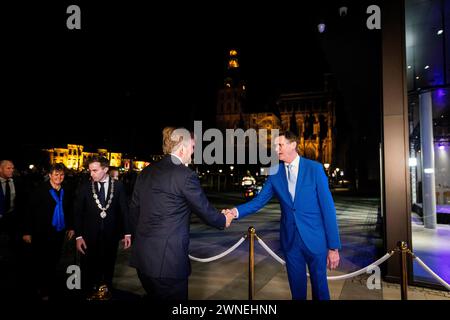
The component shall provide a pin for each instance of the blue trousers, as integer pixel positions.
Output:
(296, 260)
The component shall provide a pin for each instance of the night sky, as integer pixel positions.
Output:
(133, 69)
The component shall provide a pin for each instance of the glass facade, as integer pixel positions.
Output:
(427, 61)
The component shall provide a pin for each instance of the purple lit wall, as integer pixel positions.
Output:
(442, 169)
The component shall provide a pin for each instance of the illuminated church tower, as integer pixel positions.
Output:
(231, 97)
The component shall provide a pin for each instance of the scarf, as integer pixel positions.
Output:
(58, 214)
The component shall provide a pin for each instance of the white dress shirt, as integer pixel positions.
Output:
(294, 165)
(174, 155)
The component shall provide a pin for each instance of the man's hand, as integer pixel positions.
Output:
(70, 234)
(27, 238)
(81, 245)
(229, 217)
(234, 212)
(126, 242)
(333, 259)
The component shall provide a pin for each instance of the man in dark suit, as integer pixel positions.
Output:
(164, 196)
(101, 220)
(12, 196)
(309, 232)
(10, 205)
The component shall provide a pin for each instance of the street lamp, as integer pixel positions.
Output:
(321, 27)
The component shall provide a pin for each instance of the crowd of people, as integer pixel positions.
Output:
(38, 224)
(151, 215)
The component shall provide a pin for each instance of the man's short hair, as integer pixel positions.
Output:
(104, 163)
(289, 136)
(5, 161)
(57, 167)
(174, 137)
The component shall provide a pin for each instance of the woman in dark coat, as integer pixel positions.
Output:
(47, 222)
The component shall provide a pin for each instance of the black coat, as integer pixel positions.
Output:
(89, 224)
(163, 198)
(41, 206)
(20, 200)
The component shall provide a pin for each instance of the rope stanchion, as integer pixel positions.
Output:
(341, 277)
(402, 248)
(363, 270)
(269, 251)
(404, 269)
(223, 254)
(251, 263)
(431, 272)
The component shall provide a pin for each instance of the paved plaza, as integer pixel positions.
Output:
(227, 278)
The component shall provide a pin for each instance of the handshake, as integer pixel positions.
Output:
(230, 215)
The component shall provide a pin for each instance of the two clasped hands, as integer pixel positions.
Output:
(230, 215)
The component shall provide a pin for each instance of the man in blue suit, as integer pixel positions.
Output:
(308, 232)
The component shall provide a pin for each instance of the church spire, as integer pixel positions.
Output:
(232, 74)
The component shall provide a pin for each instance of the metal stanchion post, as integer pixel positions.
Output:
(251, 263)
(404, 269)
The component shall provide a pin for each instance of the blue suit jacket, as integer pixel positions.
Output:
(312, 212)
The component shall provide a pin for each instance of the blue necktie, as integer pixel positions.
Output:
(292, 180)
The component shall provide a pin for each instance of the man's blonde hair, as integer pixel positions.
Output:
(174, 137)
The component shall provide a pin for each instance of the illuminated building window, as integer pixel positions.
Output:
(233, 63)
(233, 53)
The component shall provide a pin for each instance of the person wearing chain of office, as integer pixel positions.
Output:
(101, 220)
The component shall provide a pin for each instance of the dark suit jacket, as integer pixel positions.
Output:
(88, 223)
(12, 220)
(164, 196)
(19, 200)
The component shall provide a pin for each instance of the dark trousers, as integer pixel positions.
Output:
(97, 265)
(9, 226)
(296, 260)
(46, 253)
(17, 258)
(164, 288)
